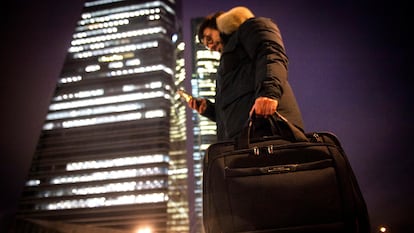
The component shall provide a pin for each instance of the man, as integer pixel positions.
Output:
(252, 76)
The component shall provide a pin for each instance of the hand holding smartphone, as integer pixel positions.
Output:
(195, 104)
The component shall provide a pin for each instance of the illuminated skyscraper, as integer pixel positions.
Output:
(205, 64)
(112, 151)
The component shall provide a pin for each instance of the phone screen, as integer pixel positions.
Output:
(184, 95)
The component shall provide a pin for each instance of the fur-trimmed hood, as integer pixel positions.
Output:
(230, 21)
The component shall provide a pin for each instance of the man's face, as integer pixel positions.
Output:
(211, 39)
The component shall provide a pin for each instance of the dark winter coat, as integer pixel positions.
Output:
(253, 64)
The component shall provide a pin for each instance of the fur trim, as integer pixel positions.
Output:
(230, 21)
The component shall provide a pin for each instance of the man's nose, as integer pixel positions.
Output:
(213, 47)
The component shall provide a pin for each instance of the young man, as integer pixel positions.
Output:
(252, 76)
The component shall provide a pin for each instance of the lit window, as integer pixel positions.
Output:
(92, 68)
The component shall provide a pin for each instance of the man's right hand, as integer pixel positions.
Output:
(198, 104)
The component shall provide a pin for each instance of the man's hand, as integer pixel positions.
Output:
(198, 104)
(264, 107)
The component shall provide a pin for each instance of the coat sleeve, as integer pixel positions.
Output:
(210, 111)
(262, 41)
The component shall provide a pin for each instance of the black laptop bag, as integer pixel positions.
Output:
(292, 183)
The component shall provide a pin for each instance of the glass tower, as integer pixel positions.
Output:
(112, 152)
(205, 64)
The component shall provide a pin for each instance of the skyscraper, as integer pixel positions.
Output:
(204, 66)
(112, 152)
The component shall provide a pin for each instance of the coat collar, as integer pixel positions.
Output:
(230, 21)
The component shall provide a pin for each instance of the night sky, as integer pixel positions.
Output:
(349, 67)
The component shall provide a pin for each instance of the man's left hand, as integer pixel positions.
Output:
(264, 106)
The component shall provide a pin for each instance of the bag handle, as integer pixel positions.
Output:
(279, 123)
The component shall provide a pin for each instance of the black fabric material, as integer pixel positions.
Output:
(276, 185)
(253, 64)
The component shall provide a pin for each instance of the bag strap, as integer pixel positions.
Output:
(279, 124)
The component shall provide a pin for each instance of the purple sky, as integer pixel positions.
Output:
(348, 67)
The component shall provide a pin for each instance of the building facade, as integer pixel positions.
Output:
(112, 152)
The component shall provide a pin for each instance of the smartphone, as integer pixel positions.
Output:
(184, 95)
(187, 97)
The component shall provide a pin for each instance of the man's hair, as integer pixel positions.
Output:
(208, 22)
